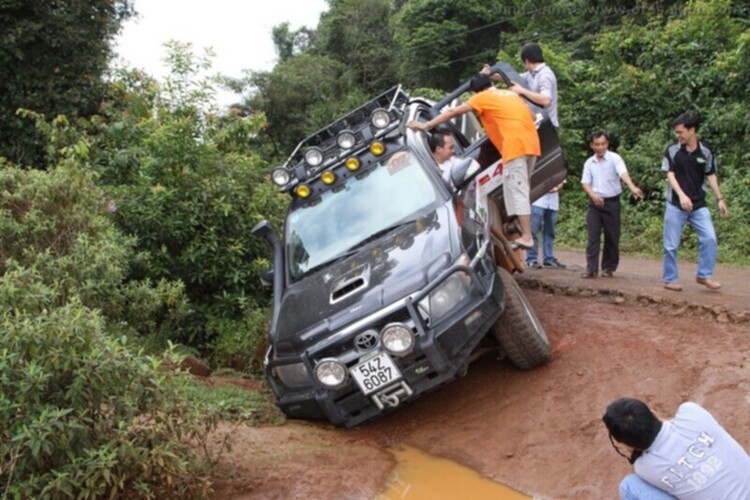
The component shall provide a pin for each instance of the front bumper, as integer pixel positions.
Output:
(441, 353)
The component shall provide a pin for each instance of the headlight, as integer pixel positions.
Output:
(292, 375)
(346, 139)
(330, 373)
(397, 339)
(280, 176)
(314, 156)
(380, 118)
(452, 291)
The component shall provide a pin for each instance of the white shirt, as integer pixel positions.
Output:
(543, 81)
(446, 166)
(549, 201)
(694, 458)
(604, 174)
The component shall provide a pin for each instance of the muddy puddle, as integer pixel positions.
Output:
(419, 476)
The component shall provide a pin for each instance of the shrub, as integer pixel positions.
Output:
(80, 413)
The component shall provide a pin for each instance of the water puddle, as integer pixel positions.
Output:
(420, 476)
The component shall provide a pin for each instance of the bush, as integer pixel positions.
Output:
(80, 413)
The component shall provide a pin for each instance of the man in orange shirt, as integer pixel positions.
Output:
(510, 127)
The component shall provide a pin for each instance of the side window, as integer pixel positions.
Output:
(467, 128)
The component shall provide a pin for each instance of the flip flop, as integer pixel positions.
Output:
(516, 245)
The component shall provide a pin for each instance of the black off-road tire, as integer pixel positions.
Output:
(519, 331)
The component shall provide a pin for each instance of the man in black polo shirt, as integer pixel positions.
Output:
(689, 164)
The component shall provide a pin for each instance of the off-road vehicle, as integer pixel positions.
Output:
(387, 280)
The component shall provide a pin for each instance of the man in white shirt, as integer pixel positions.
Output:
(688, 457)
(601, 177)
(442, 146)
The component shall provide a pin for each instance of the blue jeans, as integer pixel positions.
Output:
(545, 219)
(635, 488)
(674, 222)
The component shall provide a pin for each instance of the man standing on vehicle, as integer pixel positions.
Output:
(689, 456)
(510, 127)
(542, 91)
(601, 181)
(689, 165)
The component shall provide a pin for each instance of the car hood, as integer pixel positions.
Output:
(382, 272)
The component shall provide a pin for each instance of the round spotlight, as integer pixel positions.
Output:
(380, 118)
(330, 373)
(280, 176)
(328, 177)
(397, 339)
(377, 148)
(346, 139)
(352, 164)
(314, 156)
(303, 190)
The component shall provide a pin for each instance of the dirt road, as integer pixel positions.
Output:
(538, 431)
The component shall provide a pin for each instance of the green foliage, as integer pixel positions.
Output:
(52, 57)
(189, 189)
(230, 403)
(443, 42)
(358, 35)
(80, 413)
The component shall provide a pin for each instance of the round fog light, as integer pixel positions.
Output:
(352, 163)
(280, 176)
(328, 177)
(330, 373)
(346, 139)
(377, 148)
(380, 118)
(397, 339)
(314, 156)
(303, 190)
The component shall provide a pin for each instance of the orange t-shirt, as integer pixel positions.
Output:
(507, 121)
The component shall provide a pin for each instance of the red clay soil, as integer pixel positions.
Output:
(538, 431)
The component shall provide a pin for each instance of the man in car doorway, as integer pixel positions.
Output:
(511, 129)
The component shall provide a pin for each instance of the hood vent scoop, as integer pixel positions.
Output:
(350, 284)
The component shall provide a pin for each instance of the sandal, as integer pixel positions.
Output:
(515, 245)
(588, 276)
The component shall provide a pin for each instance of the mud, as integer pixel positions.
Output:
(539, 432)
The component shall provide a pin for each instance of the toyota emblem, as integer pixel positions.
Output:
(366, 341)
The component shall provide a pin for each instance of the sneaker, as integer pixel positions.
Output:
(588, 276)
(675, 287)
(554, 263)
(532, 264)
(606, 273)
(708, 283)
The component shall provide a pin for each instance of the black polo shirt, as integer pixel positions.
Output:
(690, 169)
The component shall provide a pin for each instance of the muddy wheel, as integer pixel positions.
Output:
(518, 330)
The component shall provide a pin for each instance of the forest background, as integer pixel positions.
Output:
(126, 202)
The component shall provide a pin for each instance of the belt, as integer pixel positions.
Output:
(612, 198)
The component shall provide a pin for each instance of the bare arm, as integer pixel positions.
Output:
(598, 200)
(633, 188)
(441, 118)
(713, 181)
(535, 97)
(685, 202)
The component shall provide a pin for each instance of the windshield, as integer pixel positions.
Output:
(370, 202)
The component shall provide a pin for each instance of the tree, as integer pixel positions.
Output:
(52, 57)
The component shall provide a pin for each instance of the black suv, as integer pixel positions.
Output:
(387, 279)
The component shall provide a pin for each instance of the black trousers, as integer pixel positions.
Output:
(605, 220)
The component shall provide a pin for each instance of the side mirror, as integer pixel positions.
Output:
(463, 172)
(266, 279)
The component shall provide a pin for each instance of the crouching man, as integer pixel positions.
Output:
(689, 456)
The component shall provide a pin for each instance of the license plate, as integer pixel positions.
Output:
(376, 373)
